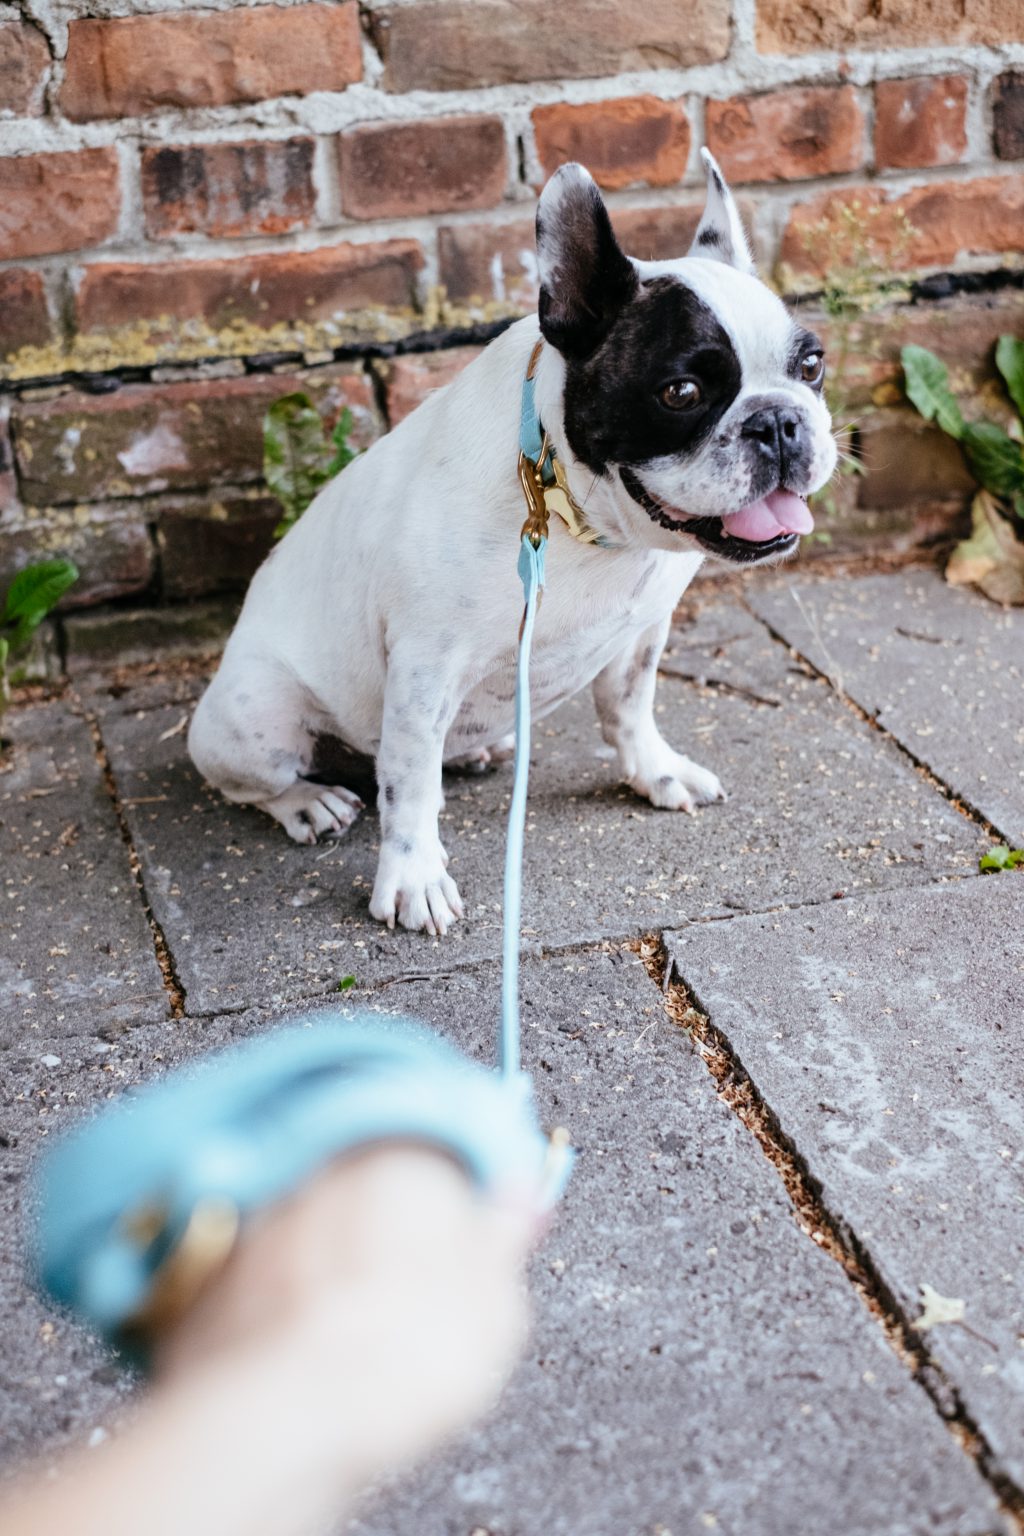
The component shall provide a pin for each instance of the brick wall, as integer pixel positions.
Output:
(200, 207)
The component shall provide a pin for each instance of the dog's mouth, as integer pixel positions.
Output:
(770, 526)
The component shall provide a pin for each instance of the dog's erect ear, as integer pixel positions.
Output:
(585, 278)
(720, 234)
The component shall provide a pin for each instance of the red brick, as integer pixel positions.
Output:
(211, 547)
(409, 379)
(920, 122)
(24, 316)
(138, 64)
(266, 290)
(247, 188)
(24, 66)
(496, 263)
(634, 139)
(947, 219)
(1008, 116)
(787, 135)
(793, 26)
(454, 45)
(62, 202)
(148, 438)
(446, 165)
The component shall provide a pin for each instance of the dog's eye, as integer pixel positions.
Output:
(681, 394)
(812, 368)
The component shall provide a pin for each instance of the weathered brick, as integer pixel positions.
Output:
(907, 460)
(246, 188)
(61, 202)
(929, 226)
(24, 67)
(112, 549)
(445, 165)
(793, 26)
(24, 316)
(1008, 116)
(920, 122)
(787, 135)
(138, 64)
(454, 45)
(208, 547)
(149, 438)
(10, 507)
(96, 641)
(634, 139)
(962, 330)
(497, 263)
(409, 379)
(265, 290)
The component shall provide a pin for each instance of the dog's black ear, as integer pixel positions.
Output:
(585, 278)
(720, 235)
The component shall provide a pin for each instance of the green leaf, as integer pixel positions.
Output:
(5, 692)
(346, 983)
(31, 595)
(927, 383)
(1001, 858)
(295, 455)
(1010, 362)
(995, 458)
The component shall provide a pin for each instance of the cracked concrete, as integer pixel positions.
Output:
(700, 1358)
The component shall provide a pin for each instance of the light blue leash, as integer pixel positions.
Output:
(531, 571)
(140, 1205)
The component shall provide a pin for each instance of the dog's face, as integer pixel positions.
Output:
(686, 381)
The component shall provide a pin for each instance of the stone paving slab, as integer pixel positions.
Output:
(74, 940)
(818, 803)
(887, 1035)
(697, 1361)
(940, 667)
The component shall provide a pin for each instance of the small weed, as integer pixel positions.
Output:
(30, 597)
(346, 983)
(1001, 858)
(298, 457)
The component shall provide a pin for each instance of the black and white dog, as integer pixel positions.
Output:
(684, 406)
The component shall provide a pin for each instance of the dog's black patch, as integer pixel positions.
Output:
(613, 410)
(594, 276)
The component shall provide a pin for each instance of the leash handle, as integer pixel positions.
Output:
(531, 572)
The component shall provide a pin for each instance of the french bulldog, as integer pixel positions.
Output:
(685, 413)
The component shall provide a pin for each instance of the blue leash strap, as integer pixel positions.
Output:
(531, 571)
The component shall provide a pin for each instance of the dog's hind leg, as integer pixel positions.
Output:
(624, 696)
(252, 738)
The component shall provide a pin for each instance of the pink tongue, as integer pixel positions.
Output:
(781, 512)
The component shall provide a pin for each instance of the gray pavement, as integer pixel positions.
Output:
(699, 1360)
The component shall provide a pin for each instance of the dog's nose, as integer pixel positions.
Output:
(778, 431)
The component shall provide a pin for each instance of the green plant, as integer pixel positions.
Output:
(30, 597)
(1001, 858)
(993, 557)
(298, 457)
(856, 250)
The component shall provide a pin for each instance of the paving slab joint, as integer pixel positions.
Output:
(164, 958)
(835, 684)
(826, 1230)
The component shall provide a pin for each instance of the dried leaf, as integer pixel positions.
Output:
(993, 557)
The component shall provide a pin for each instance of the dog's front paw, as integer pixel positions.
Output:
(414, 888)
(673, 783)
